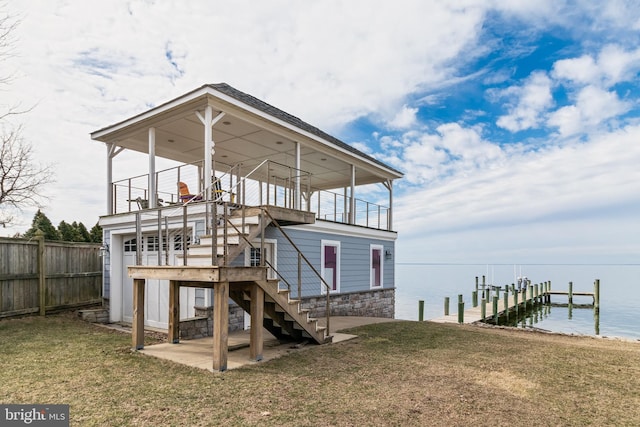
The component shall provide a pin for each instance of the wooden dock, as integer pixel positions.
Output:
(496, 303)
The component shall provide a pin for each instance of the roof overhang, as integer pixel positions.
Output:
(250, 132)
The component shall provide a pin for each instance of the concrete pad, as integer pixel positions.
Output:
(198, 353)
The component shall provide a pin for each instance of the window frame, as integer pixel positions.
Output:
(323, 245)
(372, 248)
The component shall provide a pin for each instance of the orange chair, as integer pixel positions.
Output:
(185, 194)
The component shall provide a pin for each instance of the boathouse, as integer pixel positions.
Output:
(256, 218)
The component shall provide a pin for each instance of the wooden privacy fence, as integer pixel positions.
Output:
(38, 275)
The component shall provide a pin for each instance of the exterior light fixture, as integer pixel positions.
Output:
(104, 249)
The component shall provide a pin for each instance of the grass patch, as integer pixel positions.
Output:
(400, 373)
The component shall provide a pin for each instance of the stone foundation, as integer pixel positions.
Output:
(196, 327)
(95, 315)
(371, 303)
(201, 325)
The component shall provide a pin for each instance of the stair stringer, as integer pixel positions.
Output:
(293, 309)
(241, 297)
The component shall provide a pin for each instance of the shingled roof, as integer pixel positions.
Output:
(292, 120)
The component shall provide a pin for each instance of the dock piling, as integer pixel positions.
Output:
(474, 298)
(506, 304)
(446, 306)
(570, 292)
(460, 309)
(420, 310)
(495, 308)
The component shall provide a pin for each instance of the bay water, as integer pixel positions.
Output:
(619, 293)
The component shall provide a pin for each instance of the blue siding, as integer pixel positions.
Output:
(354, 260)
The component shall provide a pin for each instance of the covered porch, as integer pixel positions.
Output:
(228, 145)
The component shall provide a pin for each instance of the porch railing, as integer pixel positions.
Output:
(268, 184)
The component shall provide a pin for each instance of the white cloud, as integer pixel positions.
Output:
(593, 107)
(529, 203)
(531, 101)
(405, 118)
(428, 157)
(613, 65)
(581, 70)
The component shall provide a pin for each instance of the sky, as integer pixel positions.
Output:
(516, 123)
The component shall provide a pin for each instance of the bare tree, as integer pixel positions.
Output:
(21, 178)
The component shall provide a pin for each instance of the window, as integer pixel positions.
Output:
(177, 241)
(152, 243)
(130, 245)
(254, 257)
(330, 265)
(376, 265)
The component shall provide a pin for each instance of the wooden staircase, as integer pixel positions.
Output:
(283, 317)
(237, 239)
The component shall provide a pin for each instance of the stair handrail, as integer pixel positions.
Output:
(302, 256)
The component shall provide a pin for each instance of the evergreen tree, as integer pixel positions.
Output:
(96, 233)
(81, 230)
(68, 233)
(41, 222)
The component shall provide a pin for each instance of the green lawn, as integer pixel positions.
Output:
(400, 373)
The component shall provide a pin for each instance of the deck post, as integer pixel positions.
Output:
(137, 327)
(174, 312)
(256, 341)
(220, 325)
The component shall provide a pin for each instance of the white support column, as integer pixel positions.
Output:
(209, 146)
(390, 214)
(352, 201)
(111, 153)
(296, 203)
(152, 196)
(110, 148)
(209, 151)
